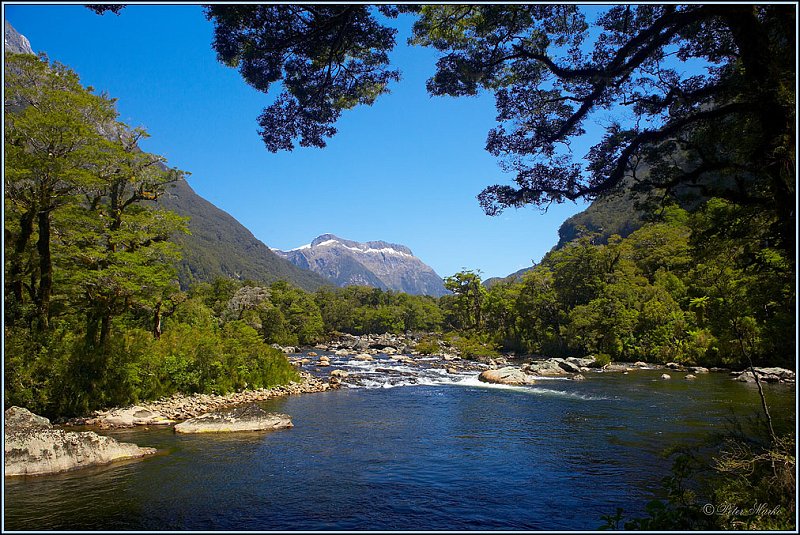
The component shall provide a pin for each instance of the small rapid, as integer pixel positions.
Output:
(392, 371)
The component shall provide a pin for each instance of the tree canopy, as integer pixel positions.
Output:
(700, 97)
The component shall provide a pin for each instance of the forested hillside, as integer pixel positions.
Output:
(219, 246)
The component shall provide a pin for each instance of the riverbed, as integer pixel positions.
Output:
(404, 447)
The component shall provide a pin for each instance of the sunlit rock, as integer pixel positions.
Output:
(507, 376)
(33, 446)
(243, 418)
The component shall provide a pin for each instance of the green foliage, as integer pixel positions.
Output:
(701, 288)
(428, 345)
(472, 347)
(464, 307)
(89, 259)
(602, 359)
(363, 310)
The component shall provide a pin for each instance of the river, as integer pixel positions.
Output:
(408, 448)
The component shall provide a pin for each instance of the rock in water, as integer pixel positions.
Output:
(33, 446)
(244, 418)
(506, 376)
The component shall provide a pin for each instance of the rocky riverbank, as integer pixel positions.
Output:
(168, 411)
(517, 369)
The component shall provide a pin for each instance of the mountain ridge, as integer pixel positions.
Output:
(381, 264)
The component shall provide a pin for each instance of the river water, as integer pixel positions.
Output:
(407, 448)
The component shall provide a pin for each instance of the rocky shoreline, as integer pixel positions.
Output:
(168, 411)
(504, 369)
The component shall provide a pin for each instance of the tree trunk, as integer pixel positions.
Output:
(157, 321)
(45, 270)
(20, 244)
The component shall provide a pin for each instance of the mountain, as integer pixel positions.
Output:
(618, 212)
(221, 246)
(218, 245)
(14, 41)
(375, 263)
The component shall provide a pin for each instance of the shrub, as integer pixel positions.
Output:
(472, 347)
(428, 345)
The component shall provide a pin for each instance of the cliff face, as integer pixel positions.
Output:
(379, 264)
(15, 42)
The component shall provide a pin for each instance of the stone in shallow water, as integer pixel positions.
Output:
(506, 376)
(33, 446)
(243, 418)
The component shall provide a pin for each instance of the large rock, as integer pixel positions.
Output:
(588, 362)
(243, 418)
(570, 367)
(33, 446)
(549, 368)
(507, 376)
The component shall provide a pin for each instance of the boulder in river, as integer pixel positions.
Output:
(548, 368)
(588, 362)
(509, 375)
(242, 418)
(666, 376)
(33, 446)
(768, 375)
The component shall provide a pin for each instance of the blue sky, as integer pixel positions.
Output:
(405, 170)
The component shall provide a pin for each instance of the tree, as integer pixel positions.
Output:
(727, 132)
(724, 130)
(469, 294)
(115, 251)
(76, 180)
(329, 57)
(51, 132)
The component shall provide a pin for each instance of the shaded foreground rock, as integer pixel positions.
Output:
(244, 418)
(507, 376)
(33, 446)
